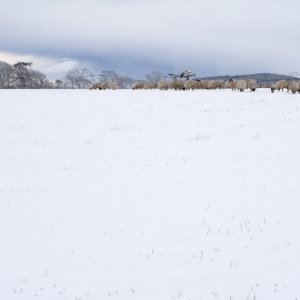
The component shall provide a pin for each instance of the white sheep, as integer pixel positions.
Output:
(227, 85)
(241, 85)
(147, 85)
(104, 85)
(163, 84)
(294, 87)
(232, 83)
(198, 85)
(114, 85)
(138, 85)
(154, 85)
(189, 84)
(251, 84)
(280, 85)
(216, 84)
(204, 84)
(178, 84)
(96, 86)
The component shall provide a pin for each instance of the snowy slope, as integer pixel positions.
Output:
(294, 74)
(149, 195)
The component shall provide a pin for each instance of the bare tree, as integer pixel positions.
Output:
(154, 76)
(59, 84)
(71, 77)
(6, 75)
(79, 78)
(126, 82)
(86, 76)
(108, 76)
(21, 76)
(38, 80)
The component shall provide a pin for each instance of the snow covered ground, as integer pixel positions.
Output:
(149, 195)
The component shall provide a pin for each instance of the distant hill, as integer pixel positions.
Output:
(260, 78)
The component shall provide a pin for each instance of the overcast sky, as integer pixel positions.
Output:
(134, 37)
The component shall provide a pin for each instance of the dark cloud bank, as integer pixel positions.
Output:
(134, 37)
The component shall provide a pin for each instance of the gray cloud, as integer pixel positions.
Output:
(134, 37)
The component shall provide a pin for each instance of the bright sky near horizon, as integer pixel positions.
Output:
(135, 37)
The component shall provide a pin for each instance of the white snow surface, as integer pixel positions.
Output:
(149, 195)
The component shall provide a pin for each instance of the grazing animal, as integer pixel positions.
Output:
(280, 85)
(227, 85)
(251, 84)
(163, 84)
(204, 84)
(189, 84)
(154, 85)
(198, 85)
(114, 85)
(178, 84)
(294, 87)
(216, 84)
(147, 86)
(138, 85)
(104, 85)
(241, 85)
(96, 86)
(232, 83)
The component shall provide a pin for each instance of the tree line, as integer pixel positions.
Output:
(20, 76)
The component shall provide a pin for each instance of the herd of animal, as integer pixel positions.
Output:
(104, 86)
(179, 84)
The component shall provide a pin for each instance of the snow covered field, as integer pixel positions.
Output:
(149, 195)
